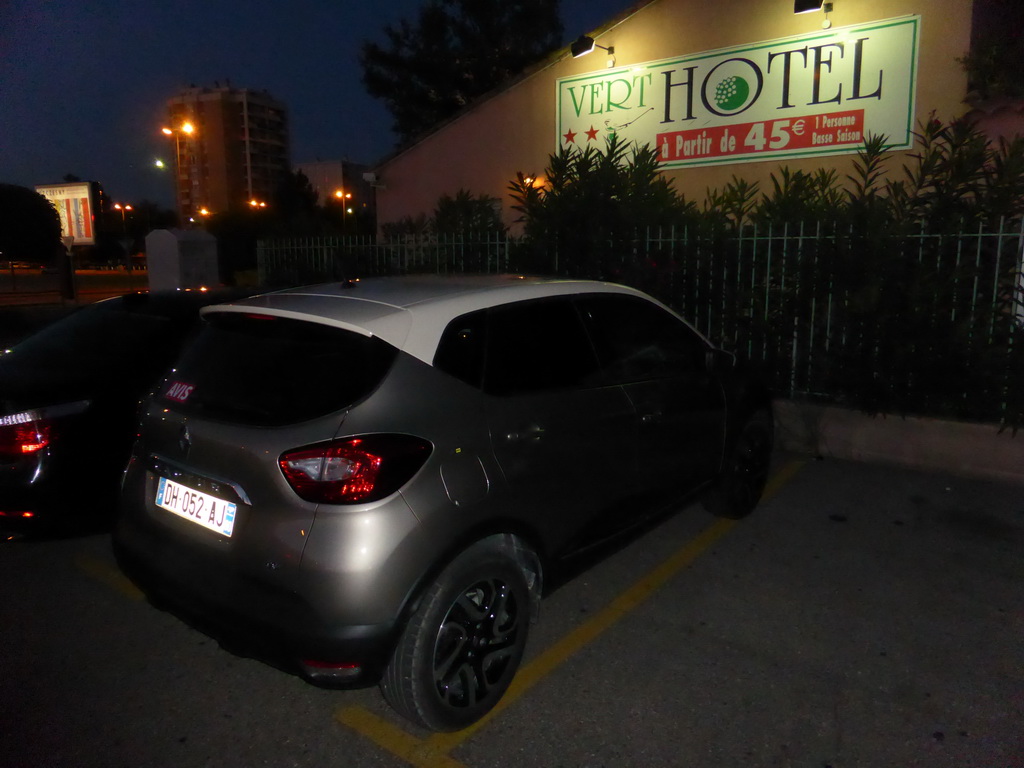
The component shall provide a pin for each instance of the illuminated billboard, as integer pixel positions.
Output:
(820, 93)
(74, 204)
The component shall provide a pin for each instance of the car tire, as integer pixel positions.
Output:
(745, 470)
(464, 641)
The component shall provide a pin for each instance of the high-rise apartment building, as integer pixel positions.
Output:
(230, 146)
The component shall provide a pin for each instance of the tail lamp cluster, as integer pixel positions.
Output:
(27, 432)
(354, 469)
(23, 433)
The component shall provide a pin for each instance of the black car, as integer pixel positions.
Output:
(68, 400)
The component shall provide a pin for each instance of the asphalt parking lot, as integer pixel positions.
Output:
(863, 616)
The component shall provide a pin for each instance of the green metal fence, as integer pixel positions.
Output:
(297, 261)
(926, 323)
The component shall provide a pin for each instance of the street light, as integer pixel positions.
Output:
(123, 209)
(345, 198)
(126, 241)
(188, 129)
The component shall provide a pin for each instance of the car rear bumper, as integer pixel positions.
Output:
(256, 619)
(42, 510)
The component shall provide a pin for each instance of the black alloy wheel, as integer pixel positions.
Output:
(476, 642)
(746, 469)
(463, 644)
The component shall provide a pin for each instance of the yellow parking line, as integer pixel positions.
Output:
(390, 737)
(106, 573)
(561, 651)
(432, 752)
(783, 475)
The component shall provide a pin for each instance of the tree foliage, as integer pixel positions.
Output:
(29, 225)
(959, 176)
(929, 300)
(455, 51)
(463, 214)
(592, 204)
(996, 58)
(294, 211)
(295, 201)
(466, 213)
(954, 177)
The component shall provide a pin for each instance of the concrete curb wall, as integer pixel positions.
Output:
(972, 450)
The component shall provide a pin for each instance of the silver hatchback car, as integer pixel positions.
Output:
(373, 480)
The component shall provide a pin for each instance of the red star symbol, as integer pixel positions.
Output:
(592, 134)
(570, 138)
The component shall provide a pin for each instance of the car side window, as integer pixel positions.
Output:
(460, 353)
(537, 346)
(636, 340)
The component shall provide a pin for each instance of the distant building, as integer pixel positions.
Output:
(231, 148)
(339, 182)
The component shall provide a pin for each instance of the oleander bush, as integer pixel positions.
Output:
(892, 291)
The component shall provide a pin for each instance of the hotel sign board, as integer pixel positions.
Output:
(74, 205)
(817, 94)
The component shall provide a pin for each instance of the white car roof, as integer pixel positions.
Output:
(409, 312)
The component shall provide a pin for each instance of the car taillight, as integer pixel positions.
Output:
(23, 433)
(354, 469)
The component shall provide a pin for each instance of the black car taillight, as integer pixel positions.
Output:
(28, 432)
(354, 469)
(23, 433)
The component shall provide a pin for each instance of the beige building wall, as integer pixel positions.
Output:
(514, 130)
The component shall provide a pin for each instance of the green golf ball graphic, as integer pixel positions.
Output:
(731, 93)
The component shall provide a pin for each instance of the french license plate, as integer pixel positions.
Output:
(200, 508)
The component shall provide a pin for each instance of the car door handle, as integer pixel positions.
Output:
(650, 418)
(534, 432)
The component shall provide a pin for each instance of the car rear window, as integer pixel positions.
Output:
(98, 337)
(270, 371)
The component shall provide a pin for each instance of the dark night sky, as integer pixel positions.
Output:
(83, 86)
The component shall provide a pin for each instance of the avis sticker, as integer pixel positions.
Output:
(179, 391)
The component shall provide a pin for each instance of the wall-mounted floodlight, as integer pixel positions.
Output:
(809, 6)
(583, 45)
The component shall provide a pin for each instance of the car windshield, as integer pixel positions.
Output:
(269, 371)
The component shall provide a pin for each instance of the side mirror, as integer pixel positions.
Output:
(720, 360)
